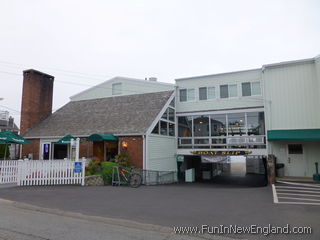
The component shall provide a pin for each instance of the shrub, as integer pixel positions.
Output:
(123, 159)
(93, 168)
(106, 171)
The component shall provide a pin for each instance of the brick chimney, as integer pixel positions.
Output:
(36, 102)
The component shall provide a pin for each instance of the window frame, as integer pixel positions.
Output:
(187, 95)
(252, 95)
(207, 93)
(229, 84)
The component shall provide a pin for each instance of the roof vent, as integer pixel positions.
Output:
(152, 79)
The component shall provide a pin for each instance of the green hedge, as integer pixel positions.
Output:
(106, 171)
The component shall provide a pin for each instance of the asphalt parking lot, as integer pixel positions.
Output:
(175, 205)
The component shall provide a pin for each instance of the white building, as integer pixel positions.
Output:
(271, 110)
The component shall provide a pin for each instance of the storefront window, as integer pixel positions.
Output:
(236, 124)
(201, 126)
(255, 123)
(185, 126)
(218, 125)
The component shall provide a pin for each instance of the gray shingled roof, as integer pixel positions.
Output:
(131, 114)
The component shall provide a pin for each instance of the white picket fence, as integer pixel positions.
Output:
(8, 171)
(42, 172)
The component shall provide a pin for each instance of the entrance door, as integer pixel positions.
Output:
(296, 164)
(46, 150)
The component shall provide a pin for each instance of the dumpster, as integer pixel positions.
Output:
(280, 169)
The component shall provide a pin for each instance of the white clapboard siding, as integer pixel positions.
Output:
(44, 172)
(8, 171)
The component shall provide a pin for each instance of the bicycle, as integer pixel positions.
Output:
(128, 176)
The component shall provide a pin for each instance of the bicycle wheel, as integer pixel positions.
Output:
(135, 180)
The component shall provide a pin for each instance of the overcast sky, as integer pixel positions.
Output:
(87, 42)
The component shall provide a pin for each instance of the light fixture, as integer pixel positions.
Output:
(124, 144)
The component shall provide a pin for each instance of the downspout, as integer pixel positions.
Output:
(267, 116)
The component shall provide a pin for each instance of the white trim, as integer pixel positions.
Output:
(279, 64)
(217, 74)
(158, 135)
(84, 136)
(220, 112)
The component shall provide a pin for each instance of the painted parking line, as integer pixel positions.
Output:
(296, 193)
(300, 184)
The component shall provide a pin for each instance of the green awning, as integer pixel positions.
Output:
(65, 140)
(8, 137)
(101, 137)
(294, 135)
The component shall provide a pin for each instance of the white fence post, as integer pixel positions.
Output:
(83, 172)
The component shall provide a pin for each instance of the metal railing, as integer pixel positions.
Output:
(151, 177)
(245, 141)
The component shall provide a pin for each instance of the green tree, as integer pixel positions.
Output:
(2, 151)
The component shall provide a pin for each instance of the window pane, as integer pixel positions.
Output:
(211, 92)
(116, 88)
(236, 124)
(256, 88)
(165, 115)
(171, 114)
(172, 103)
(246, 89)
(171, 129)
(163, 128)
(191, 94)
(203, 93)
(224, 91)
(218, 125)
(201, 126)
(183, 95)
(255, 123)
(185, 126)
(233, 90)
(156, 129)
(295, 149)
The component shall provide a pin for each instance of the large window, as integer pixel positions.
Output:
(218, 125)
(206, 93)
(166, 125)
(255, 123)
(231, 130)
(228, 91)
(116, 89)
(236, 124)
(201, 126)
(251, 89)
(185, 126)
(187, 95)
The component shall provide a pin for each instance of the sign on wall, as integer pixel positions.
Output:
(221, 153)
